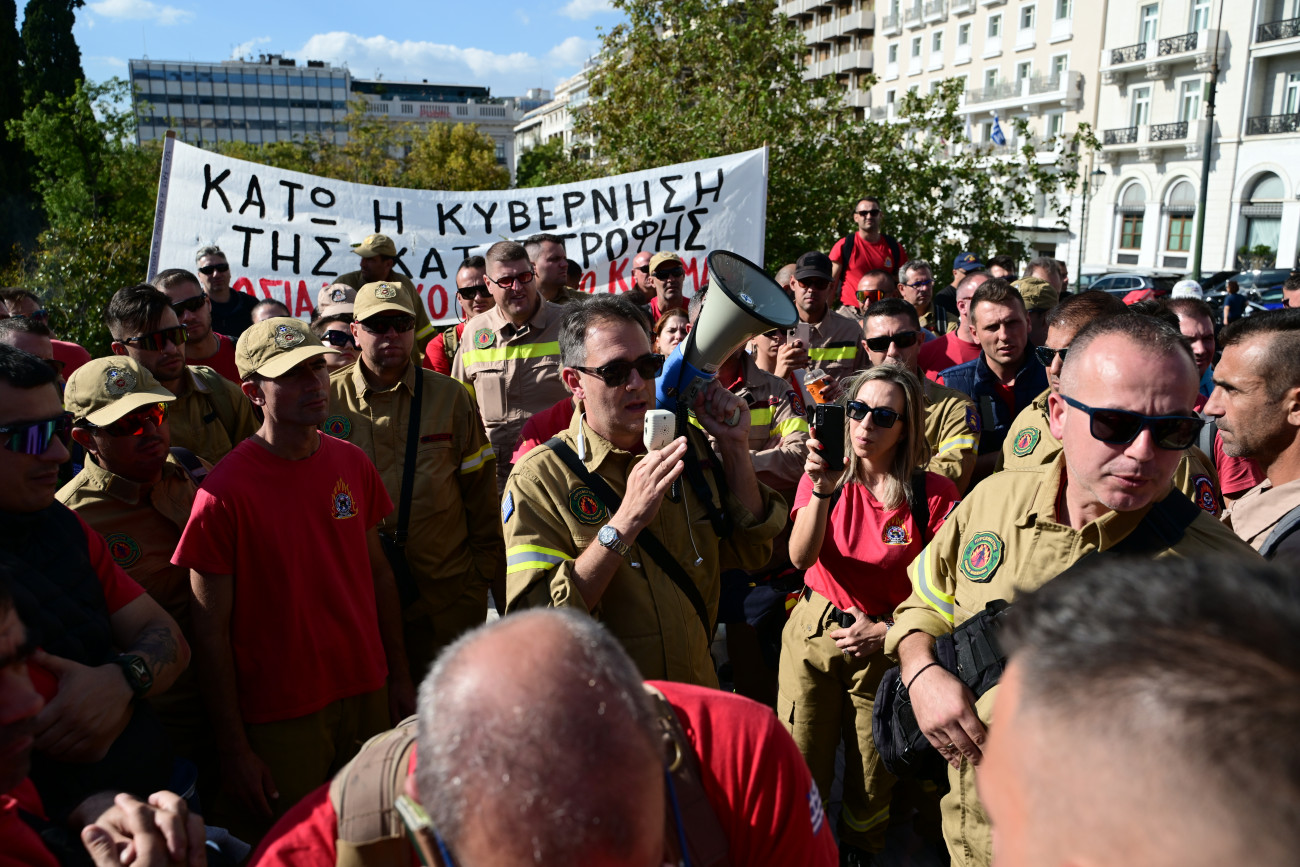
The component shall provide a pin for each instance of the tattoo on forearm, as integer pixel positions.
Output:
(159, 646)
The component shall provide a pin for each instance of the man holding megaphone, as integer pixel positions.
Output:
(590, 521)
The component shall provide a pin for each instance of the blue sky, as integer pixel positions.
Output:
(507, 45)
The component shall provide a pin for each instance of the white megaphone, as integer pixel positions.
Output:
(742, 301)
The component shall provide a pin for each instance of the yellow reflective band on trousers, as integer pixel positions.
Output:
(866, 824)
(521, 558)
(474, 462)
(937, 599)
(832, 353)
(511, 353)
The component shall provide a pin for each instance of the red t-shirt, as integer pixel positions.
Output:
(865, 257)
(304, 629)
(23, 847)
(866, 551)
(223, 361)
(1236, 475)
(435, 352)
(754, 777)
(541, 427)
(73, 355)
(948, 351)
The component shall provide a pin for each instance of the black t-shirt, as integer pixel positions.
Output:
(234, 316)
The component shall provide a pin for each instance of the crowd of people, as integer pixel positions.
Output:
(365, 590)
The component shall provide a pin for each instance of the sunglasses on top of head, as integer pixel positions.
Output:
(617, 373)
(33, 437)
(1120, 427)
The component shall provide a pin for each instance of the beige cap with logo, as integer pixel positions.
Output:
(375, 245)
(275, 346)
(335, 298)
(375, 298)
(104, 390)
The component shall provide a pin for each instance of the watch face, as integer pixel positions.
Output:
(607, 535)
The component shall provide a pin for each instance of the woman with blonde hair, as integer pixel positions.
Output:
(856, 528)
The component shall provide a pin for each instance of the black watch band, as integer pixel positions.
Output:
(137, 673)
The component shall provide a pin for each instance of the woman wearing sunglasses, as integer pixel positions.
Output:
(856, 528)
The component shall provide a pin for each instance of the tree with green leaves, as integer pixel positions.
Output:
(454, 157)
(51, 58)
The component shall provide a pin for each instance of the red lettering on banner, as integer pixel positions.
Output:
(243, 284)
(436, 302)
(266, 283)
(304, 304)
(616, 267)
(700, 279)
(588, 283)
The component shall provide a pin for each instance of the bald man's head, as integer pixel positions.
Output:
(539, 724)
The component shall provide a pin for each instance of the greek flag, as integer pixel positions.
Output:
(996, 136)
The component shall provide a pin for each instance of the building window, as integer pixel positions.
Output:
(1291, 94)
(1060, 65)
(1055, 124)
(963, 34)
(990, 79)
(936, 42)
(893, 52)
(889, 96)
(407, 108)
(916, 46)
(1140, 114)
(1180, 234)
(1189, 101)
(995, 26)
(1200, 15)
(934, 86)
(1149, 18)
(1130, 233)
(1263, 213)
(1026, 17)
(1065, 9)
(1181, 207)
(1024, 69)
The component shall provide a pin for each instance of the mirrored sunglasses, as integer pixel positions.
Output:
(158, 339)
(33, 437)
(1046, 354)
(133, 423)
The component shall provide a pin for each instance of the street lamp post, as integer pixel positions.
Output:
(1083, 222)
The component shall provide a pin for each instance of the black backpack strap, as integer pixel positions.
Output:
(407, 591)
(920, 506)
(1289, 523)
(193, 466)
(846, 251)
(645, 539)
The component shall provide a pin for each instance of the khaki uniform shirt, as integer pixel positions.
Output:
(567, 295)
(1256, 512)
(837, 345)
(142, 528)
(778, 429)
(1031, 444)
(551, 518)
(210, 416)
(952, 429)
(454, 535)
(512, 371)
(423, 327)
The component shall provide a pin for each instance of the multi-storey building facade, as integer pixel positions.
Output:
(1158, 60)
(554, 119)
(839, 34)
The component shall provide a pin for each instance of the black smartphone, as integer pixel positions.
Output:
(827, 420)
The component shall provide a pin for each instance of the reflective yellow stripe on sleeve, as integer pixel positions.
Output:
(790, 426)
(760, 415)
(861, 825)
(473, 463)
(521, 558)
(953, 443)
(425, 332)
(923, 580)
(832, 353)
(511, 353)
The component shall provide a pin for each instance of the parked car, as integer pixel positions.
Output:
(1122, 284)
(1257, 280)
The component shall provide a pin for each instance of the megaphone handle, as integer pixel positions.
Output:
(734, 418)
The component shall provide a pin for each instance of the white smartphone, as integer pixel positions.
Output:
(660, 427)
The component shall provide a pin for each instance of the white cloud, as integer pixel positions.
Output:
(412, 60)
(580, 10)
(523, 17)
(110, 62)
(140, 10)
(245, 48)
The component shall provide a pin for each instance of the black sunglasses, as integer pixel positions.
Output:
(132, 424)
(1046, 354)
(468, 292)
(33, 437)
(883, 416)
(209, 270)
(668, 273)
(383, 324)
(617, 373)
(904, 339)
(189, 305)
(156, 340)
(1120, 427)
(338, 339)
(868, 213)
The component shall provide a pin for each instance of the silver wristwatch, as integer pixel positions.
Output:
(609, 537)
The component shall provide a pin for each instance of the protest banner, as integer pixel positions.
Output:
(287, 234)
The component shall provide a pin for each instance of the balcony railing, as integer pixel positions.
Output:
(1033, 86)
(993, 92)
(1045, 83)
(912, 15)
(1128, 54)
(889, 23)
(1273, 124)
(1127, 135)
(935, 10)
(879, 112)
(1167, 132)
(1278, 30)
(1176, 44)
(959, 6)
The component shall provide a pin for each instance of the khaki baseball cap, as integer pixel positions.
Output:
(1038, 293)
(376, 298)
(106, 389)
(335, 298)
(660, 258)
(275, 346)
(375, 245)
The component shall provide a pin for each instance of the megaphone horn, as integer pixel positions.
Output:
(742, 301)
